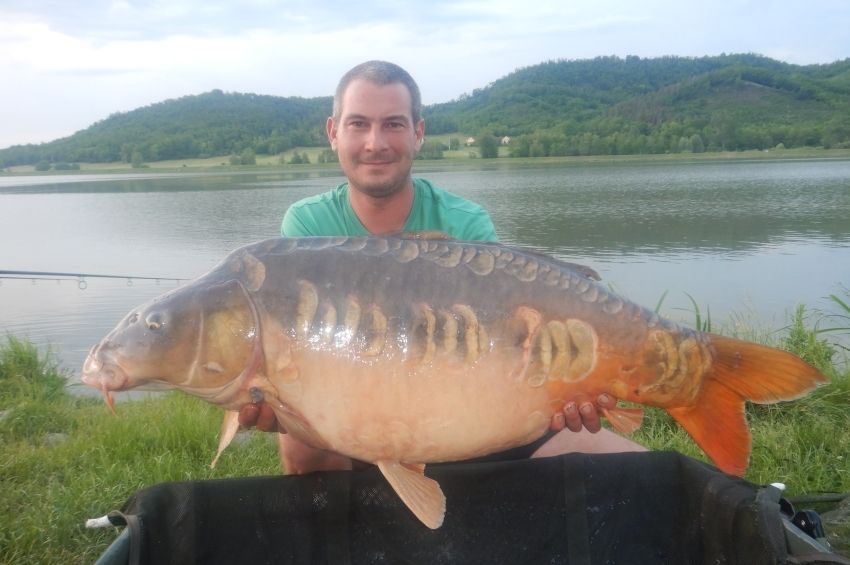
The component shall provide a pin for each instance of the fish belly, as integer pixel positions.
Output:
(387, 410)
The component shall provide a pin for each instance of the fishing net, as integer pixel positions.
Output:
(641, 508)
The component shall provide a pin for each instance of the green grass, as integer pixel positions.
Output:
(51, 483)
(66, 459)
(803, 444)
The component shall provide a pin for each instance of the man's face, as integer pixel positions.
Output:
(375, 137)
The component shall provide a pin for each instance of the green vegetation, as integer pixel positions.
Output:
(614, 106)
(488, 145)
(837, 323)
(602, 106)
(67, 459)
(210, 124)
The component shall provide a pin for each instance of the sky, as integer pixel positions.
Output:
(66, 64)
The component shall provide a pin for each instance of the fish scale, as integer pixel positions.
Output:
(403, 351)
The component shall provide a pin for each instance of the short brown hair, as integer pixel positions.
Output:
(380, 73)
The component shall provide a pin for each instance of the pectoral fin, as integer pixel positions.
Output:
(624, 420)
(229, 427)
(422, 495)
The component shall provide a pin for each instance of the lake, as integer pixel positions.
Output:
(748, 240)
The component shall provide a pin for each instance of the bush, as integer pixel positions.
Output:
(248, 157)
(488, 145)
(136, 160)
(66, 167)
(299, 159)
(431, 150)
(328, 156)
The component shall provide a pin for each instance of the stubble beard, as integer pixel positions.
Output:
(383, 188)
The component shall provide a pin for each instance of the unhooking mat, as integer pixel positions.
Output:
(576, 509)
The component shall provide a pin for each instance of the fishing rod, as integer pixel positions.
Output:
(79, 277)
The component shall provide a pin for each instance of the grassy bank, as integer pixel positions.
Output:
(66, 459)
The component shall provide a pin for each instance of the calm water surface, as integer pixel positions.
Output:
(747, 240)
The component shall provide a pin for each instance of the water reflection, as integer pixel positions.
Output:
(154, 182)
(639, 209)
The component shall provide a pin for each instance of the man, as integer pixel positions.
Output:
(376, 130)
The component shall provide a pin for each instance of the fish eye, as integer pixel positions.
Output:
(153, 321)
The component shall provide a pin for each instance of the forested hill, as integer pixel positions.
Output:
(611, 105)
(607, 105)
(206, 125)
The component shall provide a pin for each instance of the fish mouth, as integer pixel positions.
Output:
(104, 375)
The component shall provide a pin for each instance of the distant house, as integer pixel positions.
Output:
(470, 140)
(506, 140)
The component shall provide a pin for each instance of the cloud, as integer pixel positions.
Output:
(72, 63)
(106, 20)
(113, 20)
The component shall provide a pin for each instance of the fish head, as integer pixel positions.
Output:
(198, 338)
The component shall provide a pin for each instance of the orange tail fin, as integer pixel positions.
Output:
(741, 371)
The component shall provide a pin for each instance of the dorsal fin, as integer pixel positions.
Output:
(583, 270)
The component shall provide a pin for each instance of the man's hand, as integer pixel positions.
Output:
(581, 414)
(296, 458)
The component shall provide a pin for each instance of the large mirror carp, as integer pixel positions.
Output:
(404, 351)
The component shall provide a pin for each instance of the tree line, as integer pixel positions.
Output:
(613, 106)
(206, 125)
(601, 106)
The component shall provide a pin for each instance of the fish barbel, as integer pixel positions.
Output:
(403, 351)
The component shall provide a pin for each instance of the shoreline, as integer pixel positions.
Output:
(460, 158)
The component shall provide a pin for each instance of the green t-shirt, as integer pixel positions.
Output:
(434, 209)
